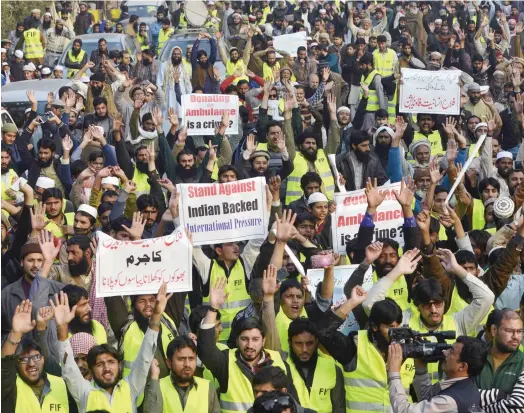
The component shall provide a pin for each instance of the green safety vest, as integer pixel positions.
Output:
(99, 333)
(435, 140)
(372, 105)
(282, 321)
(293, 189)
(54, 401)
(121, 399)
(142, 186)
(206, 374)
(162, 38)
(367, 387)
(398, 291)
(239, 396)
(74, 59)
(478, 221)
(197, 399)
(238, 297)
(34, 49)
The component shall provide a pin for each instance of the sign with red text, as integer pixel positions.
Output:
(425, 91)
(218, 213)
(350, 211)
(201, 113)
(140, 267)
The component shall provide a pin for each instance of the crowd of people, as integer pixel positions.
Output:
(105, 153)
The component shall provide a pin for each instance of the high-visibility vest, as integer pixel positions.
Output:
(182, 22)
(457, 304)
(282, 321)
(54, 229)
(142, 186)
(34, 49)
(210, 23)
(142, 41)
(206, 374)
(239, 397)
(11, 178)
(293, 189)
(367, 387)
(372, 105)
(232, 67)
(99, 333)
(398, 291)
(238, 297)
(74, 59)
(478, 221)
(197, 398)
(122, 400)
(435, 140)
(268, 71)
(448, 323)
(162, 38)
(54, 401)
(383, 62)
(318, 397)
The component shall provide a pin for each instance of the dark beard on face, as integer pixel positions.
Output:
(382, 150)
(76, 52)
(77, 326)
(97, 91)
(5, 170)
(254, 173)
(186, 173)
(146, 62)
(504, 172)
(78, 269)
(46, 25)
(105, 385)
(176, 60)
(143, 322)
(311, 157)
(362, 156)
(45, 164)
(142, 167)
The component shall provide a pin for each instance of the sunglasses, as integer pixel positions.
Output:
(276, 405)
(273, 96)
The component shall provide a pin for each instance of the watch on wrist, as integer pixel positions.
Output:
(154, 324)
(214, 310)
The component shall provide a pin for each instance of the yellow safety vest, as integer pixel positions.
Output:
(74, 59)
(478, 221)
(182, 23)
(239, 396)
(238, 297)
(162, 38)
(142, 186)
(54, 401)
(54, 229)
(372, 105)
(232, 67)
(197, 399)
(435, 140)
(142, 41)
(448, 323)
(122, 401)
(283, 323)
(212, 13)
(268, 71)
(293, 189)
(11, 178)
(383, 63)
(34, 49)
(457, 304)
(318, 397)
(367, 387)
(206, 374)
(398, 291)
(99, 333)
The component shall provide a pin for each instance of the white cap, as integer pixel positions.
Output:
(84, 79)
(88, 209)
(2, 50)
(503, 207)
(58, 67)
(19, 54)
(27, 68)
(438, 21)
(504, 154)
(111, 180)
(5, 64)
(322, 11)
(316, 197)
(32, 66)
(343, 109)
(45, 183)
(27, 110)
(480, 125)
(46, 71)
(210, 3)
(48, 14)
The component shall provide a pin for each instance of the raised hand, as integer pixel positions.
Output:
(217, 294)
(67, 143)
(161, 300)
(129, 186)
(373, 251)
(216, 73)
(31, 96)
(45, 314)
(38, 221)
(182, 136)
(289, 102)
(285, 228)
(50, 98)
(225, 119)
(448, 260)
(156, 114)
(281, 143)
(167, 184)
(407, 264)
(212, 151)
(274, 185)
(173, 117)
(406, 193)
(358, 295)
(63, 314)
(70, 99)
(449, 126)
(434, 172)
(270, 284)
(250, 143)
(137, 226)
(374, 197)
(423, 220)
(332, 104)
(154, 370)
(22, 322)
(47, 245)
(174, 202)
(452, 151)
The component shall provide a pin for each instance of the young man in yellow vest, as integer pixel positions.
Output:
(60, 223)
(234, 368)
(181, 391)
(429, 299)
(76, 58)
(25, 385)
(426, 122)
(108, 391)
(235, 61)
(377, 98)
(165, 33)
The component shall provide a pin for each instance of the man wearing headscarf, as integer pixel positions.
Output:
(81, 343)
(174, 79)
(57, 39)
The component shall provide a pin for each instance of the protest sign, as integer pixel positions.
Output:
(342, 274)
(289, 43)
(218, 213)
(425, 91)
(202, 113)
(351, 208)
(140, 267)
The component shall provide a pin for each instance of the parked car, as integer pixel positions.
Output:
(115, 41)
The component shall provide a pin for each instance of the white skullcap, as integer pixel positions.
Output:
(111, 180)
(316, 197)
(480, 125)
(27, 68)
(32, 66)
(5, 64)
(58, 67)
(2, 50)
(503, 207)
(48, 14)
(19, 54)
(27, 111)
(504, 154)
(343, 109)
(438, 21)
(88, 209)
(45, 183)
(85, 79)
(384, 128)
(322, 11)
(46, 71)
(210, 3)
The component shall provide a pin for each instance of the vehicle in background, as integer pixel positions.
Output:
(146, 12)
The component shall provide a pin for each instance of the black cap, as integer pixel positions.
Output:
(366, 59)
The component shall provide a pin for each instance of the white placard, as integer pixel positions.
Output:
(351, 208)
(289, 43)
(201, 113)
(140, 267)
(218, 213)
(426, 91)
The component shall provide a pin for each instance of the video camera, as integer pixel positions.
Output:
(415, 345)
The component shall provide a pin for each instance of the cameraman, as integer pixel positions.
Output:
(458, 393)
(429, 300)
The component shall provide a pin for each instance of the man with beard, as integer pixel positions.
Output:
(510, 132)
(496, 90)
(515, 179)
(425, 123)
(109, 391)
(476, 106)
(33, 42)
(421, 151)
(478, 72)
(165, 32)
(99, 54)
(386, 144)
(15, 35)
(429, 298)
(84, 20)
(303, 66)
(26, 387)
(78, 269)
(58, 222)
(505, 361)
(75, 59)
(57, 39)
(174, 78)
(156, 26)
(358, 164)
(235, 63)
(504, 165)
(146, 67)
(181, 390)
(9, 134)
(310, 182)
(203, 70)
(84, 224)
(83, 321)
(377, 98)
(9, 176)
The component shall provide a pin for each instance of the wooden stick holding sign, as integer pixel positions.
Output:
(332, 160)
(465, 167)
